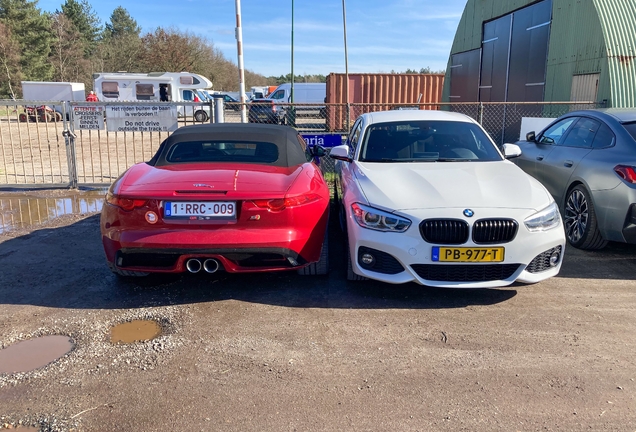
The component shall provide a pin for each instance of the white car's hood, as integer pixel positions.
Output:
(404, 186)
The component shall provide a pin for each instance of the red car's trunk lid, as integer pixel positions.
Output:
(242, 180)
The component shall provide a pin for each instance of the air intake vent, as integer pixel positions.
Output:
(444, 231)
(465, 272)
(491, 231)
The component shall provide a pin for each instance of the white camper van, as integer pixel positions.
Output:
(155, 86)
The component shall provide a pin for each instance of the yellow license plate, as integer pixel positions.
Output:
(468, 254)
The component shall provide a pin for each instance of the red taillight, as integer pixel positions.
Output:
(125, 203)
(627, 173)
(281, 204)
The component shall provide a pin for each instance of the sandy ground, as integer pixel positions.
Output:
(284, 352)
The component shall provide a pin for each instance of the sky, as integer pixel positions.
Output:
(382, 35)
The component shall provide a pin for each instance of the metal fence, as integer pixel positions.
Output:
(39, 148)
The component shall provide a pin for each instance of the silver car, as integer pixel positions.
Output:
(587, 160)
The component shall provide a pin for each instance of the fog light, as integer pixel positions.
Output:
(555, 258)
(367, 259)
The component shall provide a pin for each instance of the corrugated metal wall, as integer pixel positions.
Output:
(385, 88)
(586, 37)
(618, 23)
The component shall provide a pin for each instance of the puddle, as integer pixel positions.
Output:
(19, 210)
(135, 331)
(32, 354)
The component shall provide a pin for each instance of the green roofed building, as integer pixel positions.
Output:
(548, 50)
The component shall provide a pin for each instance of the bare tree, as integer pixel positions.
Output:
(67, 51)
(10, 63)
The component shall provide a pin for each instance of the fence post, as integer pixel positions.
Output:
(212, 112)
(481, 113)
(69, 140)
(218, 112)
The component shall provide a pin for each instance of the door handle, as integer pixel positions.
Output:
(540, 157)
(568, 163)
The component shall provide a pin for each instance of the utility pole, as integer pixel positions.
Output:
(239, 48)
(344, 25)
(292, 54)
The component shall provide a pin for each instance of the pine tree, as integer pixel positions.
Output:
(121, 24)
(32, 31)
(86, 21)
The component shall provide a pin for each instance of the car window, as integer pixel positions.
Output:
(604, 137)
(582, 133)
(554, 133)
(280, 94)
(426, 141)
(354, 137)
(631, 128)
(222, 151)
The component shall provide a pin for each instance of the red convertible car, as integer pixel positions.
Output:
(233, 197)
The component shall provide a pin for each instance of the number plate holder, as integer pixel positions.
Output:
(200, 211)
(468, 254)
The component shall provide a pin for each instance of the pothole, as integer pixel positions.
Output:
(29, 355)
(135, 331)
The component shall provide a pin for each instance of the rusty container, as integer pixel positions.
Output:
(375, 92)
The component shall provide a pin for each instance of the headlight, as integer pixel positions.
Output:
(378, 220)
(544, 220)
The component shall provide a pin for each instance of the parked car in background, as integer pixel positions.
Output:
(426, 197)
(228, 196)
(587, 160)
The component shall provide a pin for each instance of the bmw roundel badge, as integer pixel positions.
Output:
(469, 213)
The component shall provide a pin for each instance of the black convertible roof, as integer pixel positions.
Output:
(290, 152)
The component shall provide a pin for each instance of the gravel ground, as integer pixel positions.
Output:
(279, 351)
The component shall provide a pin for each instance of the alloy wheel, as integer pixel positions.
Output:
(576, 216)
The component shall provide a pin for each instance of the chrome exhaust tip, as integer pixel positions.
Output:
(210, 265)
(193, 265)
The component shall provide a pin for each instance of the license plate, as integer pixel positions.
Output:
(199, 210)
(468, 254)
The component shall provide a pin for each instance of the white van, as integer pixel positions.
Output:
(155, 86)
(304, 93)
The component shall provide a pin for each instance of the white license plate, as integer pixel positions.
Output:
(200, 210)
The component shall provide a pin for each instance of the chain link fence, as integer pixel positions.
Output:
(41, 147)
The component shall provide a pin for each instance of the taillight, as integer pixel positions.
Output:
(626, 172)
(125, 203)
(281, 204)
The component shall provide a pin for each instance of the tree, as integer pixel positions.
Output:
(31, 29)
(86, 21)
(67, 51)
(121, 24)
(9, 63)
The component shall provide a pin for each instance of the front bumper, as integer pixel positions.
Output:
(415, 255)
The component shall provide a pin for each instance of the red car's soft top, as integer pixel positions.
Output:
(290, 147)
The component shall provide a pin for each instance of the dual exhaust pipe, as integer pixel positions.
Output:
(195, 265)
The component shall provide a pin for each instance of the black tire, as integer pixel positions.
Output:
(57, 116)
(200, 116)
(22, 118)
(321, 267)
(126, 273)
(351, 276)
(579, 218)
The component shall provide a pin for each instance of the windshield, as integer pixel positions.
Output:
(631, 128)
(427, 141)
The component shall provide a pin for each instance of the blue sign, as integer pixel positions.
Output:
(325, 140)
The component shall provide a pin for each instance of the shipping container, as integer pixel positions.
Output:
(384, 91)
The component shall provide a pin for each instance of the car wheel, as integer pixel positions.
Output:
(321, 267)
(351, 276)
(581, 227)
(125, 273)
(200, 116)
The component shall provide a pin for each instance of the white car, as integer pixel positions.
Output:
(427, 197)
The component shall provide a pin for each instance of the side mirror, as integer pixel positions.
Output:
(318, 151)
(511, 151)
(340, 152)
(531, 137)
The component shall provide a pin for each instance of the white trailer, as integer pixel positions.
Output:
(53, 91)
(155, 86)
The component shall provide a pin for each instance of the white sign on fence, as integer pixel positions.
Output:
(141, 118)
(88, 117)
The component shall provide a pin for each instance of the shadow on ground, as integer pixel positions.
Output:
(64, 267)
